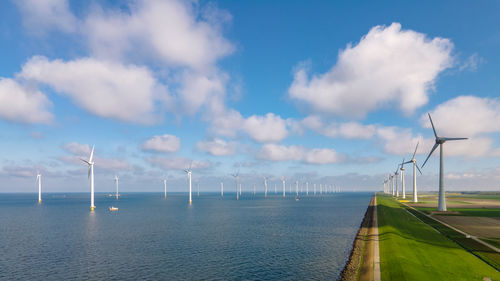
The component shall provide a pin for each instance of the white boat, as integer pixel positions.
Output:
(113, 208)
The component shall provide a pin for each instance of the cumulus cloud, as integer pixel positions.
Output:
(177, 163)
(23, 104)
(268, 128)
(465, 116)
(106, 89)
(173, 31)
(388, 65)
(40, 16)
(217, 147)
(164, 143)
(275, 152)
(348, 130)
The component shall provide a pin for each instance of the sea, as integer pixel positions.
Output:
(155, 238)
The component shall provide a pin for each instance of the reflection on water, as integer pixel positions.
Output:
(153, 238)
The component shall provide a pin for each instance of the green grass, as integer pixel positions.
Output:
(412, 250)
(472, 212)
(493, 241)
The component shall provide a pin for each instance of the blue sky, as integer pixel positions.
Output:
(319, 91)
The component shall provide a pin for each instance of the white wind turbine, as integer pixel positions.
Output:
(90, 163)
(391, 176)
(314, 187)
(402, 169)
(265, 187)
(116, 184)
(296, 188)
(236, 177)
(415, 168)
(307, 188)
(188, 172)
(222, 188)
(254, 189)
(165, 188)
(39, 180)
(439, 142)
(283, 180)
(275, 189)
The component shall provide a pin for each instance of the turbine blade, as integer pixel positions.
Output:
(407, 162)
(415, 150)
(433, 129)
(91, 155)
(452, 139)
(87, 162)
(430, 153)
(418, 169)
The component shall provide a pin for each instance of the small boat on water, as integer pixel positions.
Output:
(113, 208)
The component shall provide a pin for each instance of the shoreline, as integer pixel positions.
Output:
(359, 265)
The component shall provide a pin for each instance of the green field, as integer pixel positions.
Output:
(474, 212)
(412, 250)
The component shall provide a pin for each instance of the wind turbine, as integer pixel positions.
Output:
(91, 177)
(307, 188)
(236, 177)
(39, 180)
(403, 178)
(439, 142)
(396, 174)
(320, 189)
(116, 183)
(254, 189)
(283, 180)
(415, 167)
(275, 190)
(314, 186)
(296, 188)
(198, 187)
(165, 188)
(188, 172)
(221, 188)
(391, 177)
(265, 186)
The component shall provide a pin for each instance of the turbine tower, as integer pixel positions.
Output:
(284, 186)
(439, 142)
(265, 186)
(396, 174)
(403, 179)
(236, 177)
(296, 188)
(165, 188)
(221, 188)
(116, 184)
(39, 180)
(314, 187)
(188, 172)
(307, 188)
(415, 168)
(90, 163)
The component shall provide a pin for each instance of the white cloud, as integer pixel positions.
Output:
(465, 116)
(173, 31)
(163, 143)
(472, 63)
(217, 147)
(226, 123)
(387, 65)
(179, 163)
(82, 151)
(268, 128)
(275, 152)
(348, 130)
(23, 104)
(40, 16)
(106, 89)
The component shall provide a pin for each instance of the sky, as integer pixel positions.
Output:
(331, 92)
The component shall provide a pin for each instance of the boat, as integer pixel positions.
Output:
(113, 208)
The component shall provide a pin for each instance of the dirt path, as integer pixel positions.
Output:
(364, 263)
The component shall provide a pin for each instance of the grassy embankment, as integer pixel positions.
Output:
(412, 250)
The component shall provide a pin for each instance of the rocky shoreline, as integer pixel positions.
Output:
(353, 266)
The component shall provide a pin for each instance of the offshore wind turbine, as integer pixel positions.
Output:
(275, 190)
(165, 188)
(415, 168)
(265, 187)
(314, 186)
(188, 172)
(283, 180)
(307, 188)
(296, 188)
(90, 163)
(221, 188)
(39, 180)
(236, 177)
(439, 142)
(116, 184)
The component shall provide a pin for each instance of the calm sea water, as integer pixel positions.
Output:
(157, 239)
